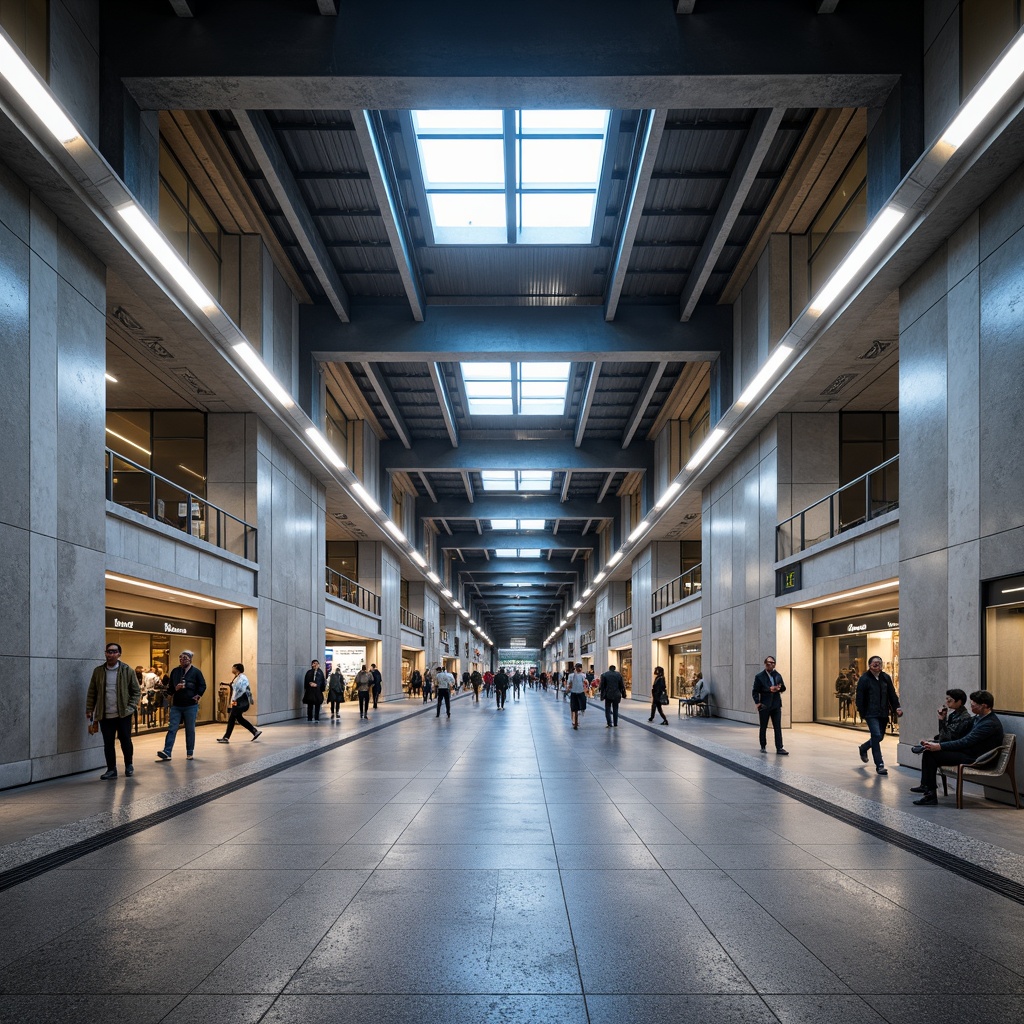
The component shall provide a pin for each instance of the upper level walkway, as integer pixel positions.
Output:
(500, 866)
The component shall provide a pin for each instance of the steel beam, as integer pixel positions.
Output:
(643, 400)
(445, 403)
(390, 403)
(259, 135)
(473, 456)
(755, 148)
(589, 391)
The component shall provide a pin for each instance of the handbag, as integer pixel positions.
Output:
(242, 704)
(94, 727)
(662, 698)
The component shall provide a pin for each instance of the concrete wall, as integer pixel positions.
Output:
(52, 511)
(738, 596)
(962, 448)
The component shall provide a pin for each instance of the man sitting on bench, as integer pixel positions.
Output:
(701, 692)
(986, 733)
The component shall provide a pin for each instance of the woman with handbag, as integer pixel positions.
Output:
(659, 695)
(241, 701)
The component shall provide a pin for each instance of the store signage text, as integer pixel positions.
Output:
(136, 622)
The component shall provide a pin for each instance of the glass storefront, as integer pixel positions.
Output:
(153, 642)
(1004, 642)
(842, 648)
(684, 668)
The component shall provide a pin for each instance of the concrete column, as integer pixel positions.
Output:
(52, 511)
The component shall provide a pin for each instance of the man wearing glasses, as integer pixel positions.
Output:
(187, 686)
(767, 693)
(113, 696)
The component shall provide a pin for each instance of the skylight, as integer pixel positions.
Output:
(517, 524)
(495, 177)
(517, 552)
(516, 389)
(516, 480)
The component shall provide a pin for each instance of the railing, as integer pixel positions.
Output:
(587, 640)
(140, 489)
(859, 501)
(621, 621)
(444, 641)
(350, 592)
(678, 590)
(411, 620)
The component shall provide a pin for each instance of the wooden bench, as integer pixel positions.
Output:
(996, 764)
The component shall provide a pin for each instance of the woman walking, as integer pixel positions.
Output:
(241, 701)
(576, 685)
(336, 691)
(659, 695)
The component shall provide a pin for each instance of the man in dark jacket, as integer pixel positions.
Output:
(313, 686)
(767, 692)
(476, 681)
(378, 679)
(501, 681)
(613, 689)
(876, 697)
(187, 687)
(985, 734)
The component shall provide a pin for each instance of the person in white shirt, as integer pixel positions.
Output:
(443, 683)
(240, 703)
(576, 684)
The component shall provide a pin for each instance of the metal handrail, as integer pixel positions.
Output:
(350, 592)
(621, 621)
(682, 587)
(872, 509)
(411, 619)
(153, 507)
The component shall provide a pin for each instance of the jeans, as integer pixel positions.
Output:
(611, 711)
(176, 716)
(335, 706)
(773, 715)
(444, 695)
(499, 696)
(122, 729)
(312, 711)
(876, 727)
(364, 702)
(236, 717)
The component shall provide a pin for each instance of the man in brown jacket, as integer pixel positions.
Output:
(113, 696)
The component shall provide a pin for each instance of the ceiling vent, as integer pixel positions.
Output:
(877, 349)
(193, 383)
(838, 384)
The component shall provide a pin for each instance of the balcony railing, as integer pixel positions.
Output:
(679, 589)
(444, 641)
(411, 620)
(855, 503)
(621, 621)
(140, 489)
(587, 640)
(350, 592)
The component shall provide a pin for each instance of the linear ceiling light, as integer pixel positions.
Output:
(110, 378)
(31, 89)
(433, 577)
(170, 590)
(992, 89)
(418, 559)
(709, 445)
(670, 492)
(159, 248)
(615, 559)
(395, 532)
(641, 529)
(872, 240)
(760, 382)
(599, 577)
(832, 598)
(252, 359)
(121, 437)
(364, 497)
(325, 447)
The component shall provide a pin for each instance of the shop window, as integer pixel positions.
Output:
(684, 668)
(188, 223)
(986, 26)
(840, 221)
(27, 23)
(1004, 642)
(343, 557)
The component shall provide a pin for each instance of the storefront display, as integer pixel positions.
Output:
(842, 648)
(1004, 642)
(154, 643)
(684, 668)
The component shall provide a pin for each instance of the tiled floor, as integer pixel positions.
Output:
(499, 866)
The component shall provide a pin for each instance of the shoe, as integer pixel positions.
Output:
(163, 755)
(919, 789)
(764, 750)
(926, 799)
(256, 735)
(129, 769)
(608, 725)
(110, 774)
(448, 714)
(575, 726)
(188, 757)
(782, 751)
(223, 739)
(664, 721)
(917, 749)
(863, 754)
(881, 769)
(651, 719)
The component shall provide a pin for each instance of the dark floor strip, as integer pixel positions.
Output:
(964, 868)
(49, 861)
